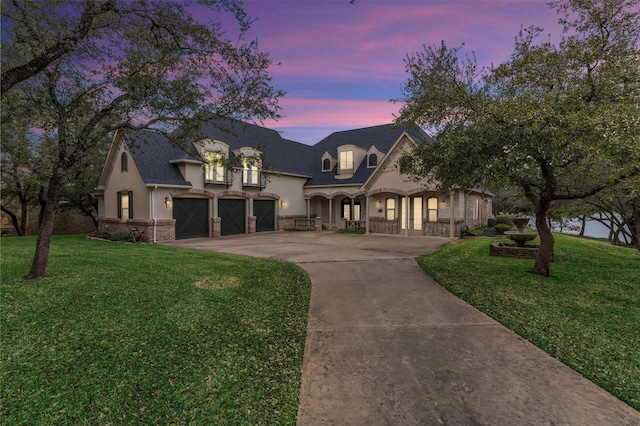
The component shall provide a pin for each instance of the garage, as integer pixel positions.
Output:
(265, 213)
(192, 217)
(232, 215)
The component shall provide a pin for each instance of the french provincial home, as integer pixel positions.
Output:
(242, 178)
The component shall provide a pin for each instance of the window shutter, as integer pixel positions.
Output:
(119, 205)
(130, 204)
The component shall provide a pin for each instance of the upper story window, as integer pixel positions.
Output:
(250, 174)
(326, 165)
(373, 160)
(214, 169)
(346, 161)
(124, 162)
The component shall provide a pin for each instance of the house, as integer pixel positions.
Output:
(242, 178)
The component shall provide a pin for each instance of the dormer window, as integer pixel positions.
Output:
(326, 165)
(214, 169)
(250, 174)
(373, 160)
(346, 162)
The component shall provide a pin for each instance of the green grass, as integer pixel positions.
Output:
(146, 334)
(586, 314)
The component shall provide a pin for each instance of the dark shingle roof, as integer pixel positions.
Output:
(153, 153)
(383, 137)
(281, 155)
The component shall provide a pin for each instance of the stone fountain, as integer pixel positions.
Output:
(520, 237)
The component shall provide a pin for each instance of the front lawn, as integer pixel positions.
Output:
(145, 334)
(587, 314)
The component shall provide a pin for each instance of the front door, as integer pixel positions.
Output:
(411, 219)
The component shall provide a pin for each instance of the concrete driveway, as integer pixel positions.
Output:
(386, 345)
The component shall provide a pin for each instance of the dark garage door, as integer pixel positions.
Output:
(264, 211)
(232, 215)
(192, 217)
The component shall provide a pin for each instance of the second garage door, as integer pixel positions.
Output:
(265, 213)
(232, 215)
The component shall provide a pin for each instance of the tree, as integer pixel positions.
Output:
(560, 122)
(140, 64)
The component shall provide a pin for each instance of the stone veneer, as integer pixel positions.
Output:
(165, 229)
(441, 228)
(379, 225)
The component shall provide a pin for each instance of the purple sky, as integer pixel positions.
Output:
(341, 63)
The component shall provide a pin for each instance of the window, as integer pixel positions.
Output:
(214, 168)
(125, 205)
(432, 209)
(250, 174)
(390, 208)
(350, 211)
(346, 162)
(346, 208)
(124, 160)
(476, 209)
(373, 160)
(326, 165)
(405, 165)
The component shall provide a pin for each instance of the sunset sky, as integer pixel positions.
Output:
(341, 63)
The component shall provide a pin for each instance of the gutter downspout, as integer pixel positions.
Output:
(151, 211)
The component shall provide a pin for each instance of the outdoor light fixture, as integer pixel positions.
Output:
(443, 202)
(283, 203)
(379, 204)
(167, 202)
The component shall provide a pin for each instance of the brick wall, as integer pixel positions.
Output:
(441, 228)
(165, 228)
(379, 225)
(252, 224)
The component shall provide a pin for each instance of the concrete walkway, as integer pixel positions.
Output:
(386, 345)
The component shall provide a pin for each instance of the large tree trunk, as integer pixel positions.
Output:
(47, 220)
(545, 252)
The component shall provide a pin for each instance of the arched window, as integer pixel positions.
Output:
(390, 208)
(432, 209)
(326, 165)
(124, 162)
(373, 160)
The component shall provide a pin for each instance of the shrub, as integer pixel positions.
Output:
(501, 227)
(505, 219)
(353, 230)
(118, 236)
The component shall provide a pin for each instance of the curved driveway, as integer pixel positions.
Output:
(386, 345)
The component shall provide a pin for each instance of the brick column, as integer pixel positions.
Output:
(215, 226)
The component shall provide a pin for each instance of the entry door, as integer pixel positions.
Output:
(265, 213)
(414, 210)
(192, 217)
(232, 215)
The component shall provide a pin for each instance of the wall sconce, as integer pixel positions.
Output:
(167, 202)
(379, 204)
(283, 203)
(443, 203)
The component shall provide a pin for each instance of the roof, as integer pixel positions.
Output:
(383, 137)
(155, 154)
